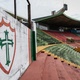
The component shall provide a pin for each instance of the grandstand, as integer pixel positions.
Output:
(66, 52)
(45, 39)
(61, 59)
(59, 29)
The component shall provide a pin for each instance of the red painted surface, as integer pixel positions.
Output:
(62, 36)
(73, 74)
(49, 72)
(34, 72)
(62, 74)
(48, 68)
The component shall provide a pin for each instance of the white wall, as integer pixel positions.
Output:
(20, 48)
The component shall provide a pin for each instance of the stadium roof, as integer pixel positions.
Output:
(59, 19)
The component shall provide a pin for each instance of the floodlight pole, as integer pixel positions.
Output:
(15, 16)
(29, 14)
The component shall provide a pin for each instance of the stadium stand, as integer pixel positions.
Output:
(44, 39)
(63, 35)
(56, 62)
(48, 68)
(66, 52)
(57, 35)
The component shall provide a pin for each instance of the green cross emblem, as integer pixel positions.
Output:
(6, 42)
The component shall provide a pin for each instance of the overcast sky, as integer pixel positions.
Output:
(41, 8)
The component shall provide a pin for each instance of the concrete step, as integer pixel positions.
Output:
(34, 72)
(49, 72)
(48, 68)
(74, 75)
(62, 73)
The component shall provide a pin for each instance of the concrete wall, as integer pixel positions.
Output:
(14, 47)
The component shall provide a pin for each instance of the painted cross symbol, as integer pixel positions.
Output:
(6, 42)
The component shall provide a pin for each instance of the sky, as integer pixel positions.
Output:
(41, 8)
